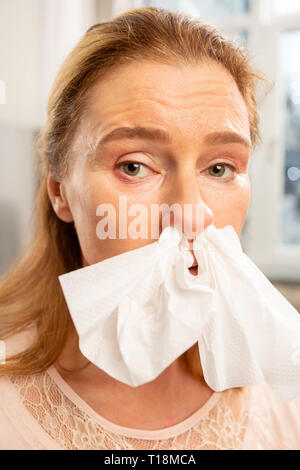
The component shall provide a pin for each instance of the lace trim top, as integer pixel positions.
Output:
(70, 422)
(43, 412)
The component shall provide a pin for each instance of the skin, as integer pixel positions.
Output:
(190, 103)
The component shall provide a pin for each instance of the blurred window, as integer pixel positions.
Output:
(286, 7)
(209, 9)
(289, 58)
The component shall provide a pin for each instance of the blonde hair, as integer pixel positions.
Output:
(30, 294)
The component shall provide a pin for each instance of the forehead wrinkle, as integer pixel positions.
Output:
(161, 107)
(172, 100)
(162, 93)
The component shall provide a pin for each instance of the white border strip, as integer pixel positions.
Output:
(2, 92)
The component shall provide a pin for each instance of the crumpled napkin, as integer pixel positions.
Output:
(137, 312)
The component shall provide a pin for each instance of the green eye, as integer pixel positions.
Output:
(131, 169)
(217, 170)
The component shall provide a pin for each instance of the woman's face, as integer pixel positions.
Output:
(203, 162)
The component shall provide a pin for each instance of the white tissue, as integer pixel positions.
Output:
(137, 312)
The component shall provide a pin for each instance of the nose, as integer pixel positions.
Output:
(187, 210)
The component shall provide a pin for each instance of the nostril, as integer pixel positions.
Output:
(195, 262)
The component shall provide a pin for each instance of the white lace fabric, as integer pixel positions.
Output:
(222, 427)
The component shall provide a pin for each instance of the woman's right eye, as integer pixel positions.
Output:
(133, 169)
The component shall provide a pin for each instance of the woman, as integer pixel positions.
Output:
(147, 69)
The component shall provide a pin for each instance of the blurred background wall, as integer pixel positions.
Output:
(36, 35)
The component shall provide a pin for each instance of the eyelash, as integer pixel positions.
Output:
(119, 165)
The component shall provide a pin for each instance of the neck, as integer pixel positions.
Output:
(73, 366)
(167, 400)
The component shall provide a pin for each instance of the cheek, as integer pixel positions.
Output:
(93, 195)
(84, 198)
(229, 207)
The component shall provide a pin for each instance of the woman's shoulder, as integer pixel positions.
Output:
(265, 396)
(18, 428)
(273, 424)
(10, 436)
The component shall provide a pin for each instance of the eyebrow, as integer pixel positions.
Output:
(148, 133)
(226, 138)
(159, 135)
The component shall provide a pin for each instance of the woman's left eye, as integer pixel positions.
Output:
(219, 170)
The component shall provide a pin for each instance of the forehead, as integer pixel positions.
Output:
(194, 98)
